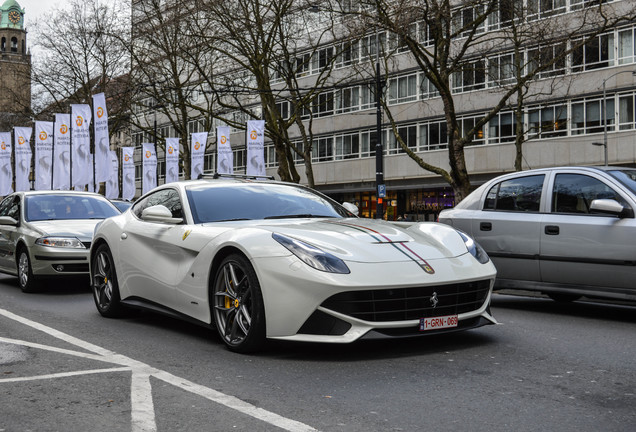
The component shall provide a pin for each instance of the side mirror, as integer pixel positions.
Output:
(611, 207)
(159, 213)
(351, 207)
(8, 220)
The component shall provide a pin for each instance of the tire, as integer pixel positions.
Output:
(239, 314)
(104, 283)
(27, 281)
(564, 298)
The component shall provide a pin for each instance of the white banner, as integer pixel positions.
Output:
(224, 158)
(172, 160)
(199, 141)
(255, 147)
(23, 154)
(6, 171)
(80, 138)
(149, 162)
(112, 185)
(43, 155)
(62, 152)
(128, 173)
(102, 142)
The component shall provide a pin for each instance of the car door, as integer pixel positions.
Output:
(10, 206)
(150, 255)
(508, 227)
(581, 247)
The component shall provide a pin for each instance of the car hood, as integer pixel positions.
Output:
(80, 228)
(368, 240)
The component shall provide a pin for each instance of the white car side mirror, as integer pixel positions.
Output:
(159, 213)
(351, 207)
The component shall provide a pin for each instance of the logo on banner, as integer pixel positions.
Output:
(170, 150)
(253, 135)
(223, 139)
(63, 129)
(79, 121)
(3, 146)
(148, 154)
(21, 140)
(126, 158)
(43, 136)
(197, 146)
(100, 112)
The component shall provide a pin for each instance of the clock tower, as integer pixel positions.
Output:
(15, 67)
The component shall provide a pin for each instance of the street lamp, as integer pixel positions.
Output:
(604, 143)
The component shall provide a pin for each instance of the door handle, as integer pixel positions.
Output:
(485, 226)
(551, 230)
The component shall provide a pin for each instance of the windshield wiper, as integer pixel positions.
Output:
(306, 215)
(232, 220)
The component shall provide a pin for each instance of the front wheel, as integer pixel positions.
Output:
(104, 283)
(28, 283)
(239, 314)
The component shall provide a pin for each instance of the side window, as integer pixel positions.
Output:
(166, 197)
(522, 194)
(5, 205)
(12, 209)
(573, 193)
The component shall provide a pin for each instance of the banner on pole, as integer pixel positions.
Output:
(112, 185)
(6, 171)
(23, 154)
(199, 141)
(43, 155)
(224, 158)
(172, 160)
(62, 152)
(128, 173)
(149, 162)
(255, 148)
(102, 141)
(80, 136)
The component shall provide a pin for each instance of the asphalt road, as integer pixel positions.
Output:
(546, 367)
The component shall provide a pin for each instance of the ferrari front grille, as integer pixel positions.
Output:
(404, 304)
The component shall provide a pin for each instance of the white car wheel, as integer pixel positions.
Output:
(104, 283)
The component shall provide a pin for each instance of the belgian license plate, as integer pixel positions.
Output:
(435, 323)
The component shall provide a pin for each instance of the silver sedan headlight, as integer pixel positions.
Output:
(312, 256)
(60, 242)
(474, 248)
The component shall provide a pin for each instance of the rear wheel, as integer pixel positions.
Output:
(28, 283)
(239, 314)
(104, 283)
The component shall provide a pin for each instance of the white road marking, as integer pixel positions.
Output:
(142, 407)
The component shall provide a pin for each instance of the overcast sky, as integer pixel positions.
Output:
(35, 8)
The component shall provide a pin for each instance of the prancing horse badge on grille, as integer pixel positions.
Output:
(434, 299)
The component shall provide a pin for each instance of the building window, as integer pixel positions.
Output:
(240, 159)
(322, 150)
(403, 89)
(14, 44)
(463, 21)
(367, 96)
(502, 128)
(271, 158)
(427, 89)
(321, 59)
(347, 100)
(626, 112)
(368, 142)
(587, 116)
(283, 109)
(369, 45)
(501, 69)
(302, 66)
(626, 46)
(323, 105)
(544, 8)
(433, 136)
(347, 147)
(549, 60)
(466, 125)
(347, 54)
(597, 53)
(548, 122)
(472, 76)
(409, 137)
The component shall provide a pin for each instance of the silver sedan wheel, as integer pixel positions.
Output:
(26, 280)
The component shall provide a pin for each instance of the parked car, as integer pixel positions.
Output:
(566, 232)
(122, 205)
(48, 233)
(263, 259)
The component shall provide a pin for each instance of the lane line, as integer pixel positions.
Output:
(142, 407)
(63, 375)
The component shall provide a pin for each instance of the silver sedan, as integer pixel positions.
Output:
(48, 233)
(567, 232)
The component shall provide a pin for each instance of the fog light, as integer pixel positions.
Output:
(59, 268)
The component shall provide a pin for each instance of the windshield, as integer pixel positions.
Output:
(626, 177)
(243, 201)
(60, 206)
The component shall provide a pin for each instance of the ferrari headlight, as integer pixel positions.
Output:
(60, 242)
(473, 247)
(312, 256)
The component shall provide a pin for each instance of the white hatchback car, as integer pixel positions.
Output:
(567, 232)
